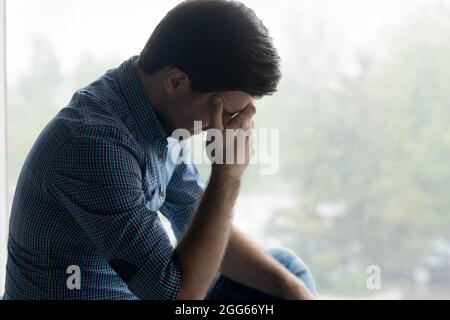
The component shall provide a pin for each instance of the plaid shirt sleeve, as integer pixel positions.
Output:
(97, 176)
(183, 194)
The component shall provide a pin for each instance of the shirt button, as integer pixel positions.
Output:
(162, 194)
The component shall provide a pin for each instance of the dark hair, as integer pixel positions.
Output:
(221, 45)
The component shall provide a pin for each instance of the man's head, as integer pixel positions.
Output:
(204, 48)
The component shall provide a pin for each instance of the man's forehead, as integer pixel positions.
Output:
(236, 99)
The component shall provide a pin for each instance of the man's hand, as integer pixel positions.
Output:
(202, 247)
(237, 139)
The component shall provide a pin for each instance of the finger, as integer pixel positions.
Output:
(244, 117)
(215, 112)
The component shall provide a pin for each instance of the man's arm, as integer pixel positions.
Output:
(183, 194)
(247, 263)
(201, 249)
(97, 177)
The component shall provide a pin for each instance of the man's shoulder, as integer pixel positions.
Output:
(84, 131)
(102, 101)
(98, 111)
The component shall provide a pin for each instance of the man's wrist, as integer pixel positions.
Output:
(224, 174)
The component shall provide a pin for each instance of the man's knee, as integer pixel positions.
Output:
(294, 264)
(288, 258)
(282, 253)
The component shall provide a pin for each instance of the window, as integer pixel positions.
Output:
(362, 110)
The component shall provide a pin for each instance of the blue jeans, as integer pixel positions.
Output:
(226, 289)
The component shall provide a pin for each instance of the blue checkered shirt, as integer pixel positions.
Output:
(89, 195)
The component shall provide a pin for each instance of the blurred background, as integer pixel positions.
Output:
(363, 112)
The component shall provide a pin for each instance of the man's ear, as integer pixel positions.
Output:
(176, 83)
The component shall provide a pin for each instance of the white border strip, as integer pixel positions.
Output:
(3, 182)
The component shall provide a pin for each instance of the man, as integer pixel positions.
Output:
(84, 222)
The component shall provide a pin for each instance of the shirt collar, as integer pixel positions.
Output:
(139, 106)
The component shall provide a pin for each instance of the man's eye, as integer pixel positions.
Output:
(230, 114)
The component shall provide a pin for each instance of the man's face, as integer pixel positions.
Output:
(195, 107)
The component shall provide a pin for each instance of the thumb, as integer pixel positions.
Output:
(215, 113)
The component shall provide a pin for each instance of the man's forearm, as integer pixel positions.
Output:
(247, 263)
(202, 248)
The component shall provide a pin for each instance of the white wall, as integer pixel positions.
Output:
(3, 203)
